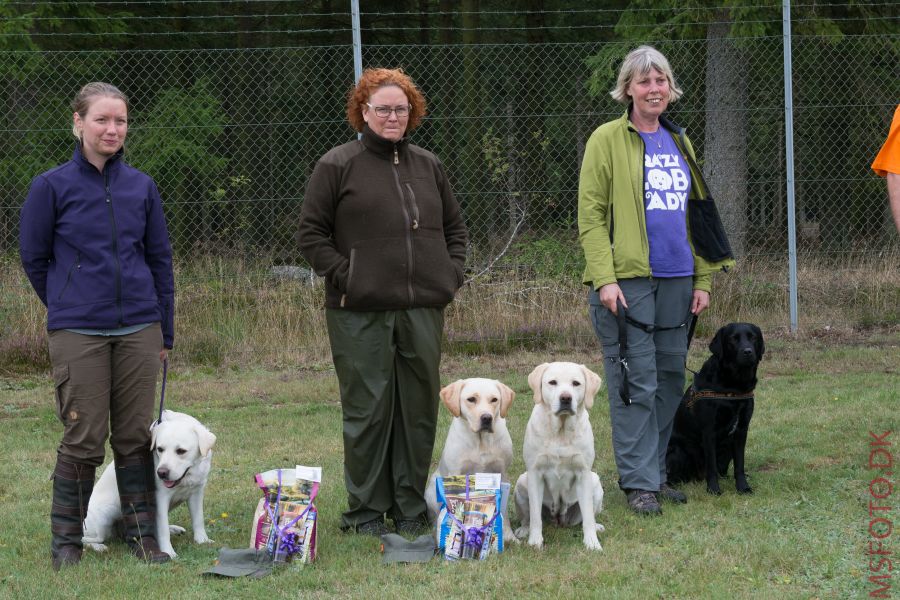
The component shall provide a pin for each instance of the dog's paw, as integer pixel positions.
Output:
(592, 543)
(522, 532)
(536, 540)
(745, 490)
(97, 547)
(202, 538)
(600, 527)
(176, 530)
(716, 491)
(170, 551)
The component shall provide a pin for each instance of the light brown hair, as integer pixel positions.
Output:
(82, 101)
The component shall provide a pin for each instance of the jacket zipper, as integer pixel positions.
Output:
(415, 207)
(115, 245)
(409, 227)
(349, 275)
(75, 265)
(642, 216)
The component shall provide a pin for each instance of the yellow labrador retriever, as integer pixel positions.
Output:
(182, 455)
(478, 440)
(558, 484)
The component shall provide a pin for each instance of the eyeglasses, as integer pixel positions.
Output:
(383, 112)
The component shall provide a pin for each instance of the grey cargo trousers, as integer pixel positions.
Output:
(641, 431)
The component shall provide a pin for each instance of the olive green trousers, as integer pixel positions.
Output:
(387, 364)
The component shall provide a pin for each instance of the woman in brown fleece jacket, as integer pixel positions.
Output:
(381, 225)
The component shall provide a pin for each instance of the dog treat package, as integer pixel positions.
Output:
(470, 521)
(284, 523)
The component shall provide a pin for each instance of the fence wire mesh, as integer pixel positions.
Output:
(231, 136)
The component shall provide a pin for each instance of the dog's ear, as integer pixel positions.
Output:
(592, 385)
(760, 344)
(205, 437)
(717, 344)
(534, 381)
(153, 429)
(506, 398)
(450, 396)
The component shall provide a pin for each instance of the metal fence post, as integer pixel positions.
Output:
(789, 155)
(357, 45)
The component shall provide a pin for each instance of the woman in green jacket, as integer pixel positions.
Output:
(637, 179)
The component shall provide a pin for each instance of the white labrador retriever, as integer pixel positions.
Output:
(182, 455)
(558, 484)
(478, 440)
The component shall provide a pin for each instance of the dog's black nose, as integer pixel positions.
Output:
(565, 400)
(162, 474)
(487, 422)
(748, 352)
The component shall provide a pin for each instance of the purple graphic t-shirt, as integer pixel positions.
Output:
(667, 181)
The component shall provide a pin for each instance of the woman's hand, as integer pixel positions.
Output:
(163, 355)
(609, 294)
(700, 301)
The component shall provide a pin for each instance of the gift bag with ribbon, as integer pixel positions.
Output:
(285, 520)
(470, 521)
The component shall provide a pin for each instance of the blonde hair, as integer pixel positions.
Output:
(374, 79)
(82, 101)
(640, 61)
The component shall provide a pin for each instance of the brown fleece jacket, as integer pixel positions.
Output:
(380, 224)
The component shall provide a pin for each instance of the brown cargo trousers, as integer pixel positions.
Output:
(105, 386)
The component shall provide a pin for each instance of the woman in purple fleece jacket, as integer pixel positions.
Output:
(94, 244)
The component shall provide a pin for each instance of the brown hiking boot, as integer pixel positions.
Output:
(146, 548)
(670, 494)
(66, 556)
(643, 502)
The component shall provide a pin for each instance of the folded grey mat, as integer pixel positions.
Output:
(398, 549)
(242, 562)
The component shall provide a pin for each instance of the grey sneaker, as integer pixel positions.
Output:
(667, 492)
(643, 502)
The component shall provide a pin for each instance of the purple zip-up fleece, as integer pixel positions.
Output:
(96, 249)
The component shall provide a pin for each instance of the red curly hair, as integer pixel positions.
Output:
(374, 79)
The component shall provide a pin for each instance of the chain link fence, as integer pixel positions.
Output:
(231, 136)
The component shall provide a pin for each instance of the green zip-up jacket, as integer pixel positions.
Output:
(612, 226)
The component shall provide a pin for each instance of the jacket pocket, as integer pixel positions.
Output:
(436, 276)
(707, 231)
(75, 265)
(378, 276)
(60, 378)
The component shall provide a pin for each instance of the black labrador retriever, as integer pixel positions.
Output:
(712, 421)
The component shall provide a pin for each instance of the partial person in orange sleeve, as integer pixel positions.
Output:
(887, 164)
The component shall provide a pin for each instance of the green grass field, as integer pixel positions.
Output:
(803, 534)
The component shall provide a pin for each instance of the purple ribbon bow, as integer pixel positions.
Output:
(473, 535)
(286, 542)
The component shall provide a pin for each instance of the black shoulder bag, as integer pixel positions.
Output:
(706, 229)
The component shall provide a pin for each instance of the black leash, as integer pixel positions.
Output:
(162, 392)
(690, 321)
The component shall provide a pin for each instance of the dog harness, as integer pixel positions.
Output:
(690, 321)
(715, 395)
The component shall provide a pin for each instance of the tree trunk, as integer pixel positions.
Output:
(725, 151)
